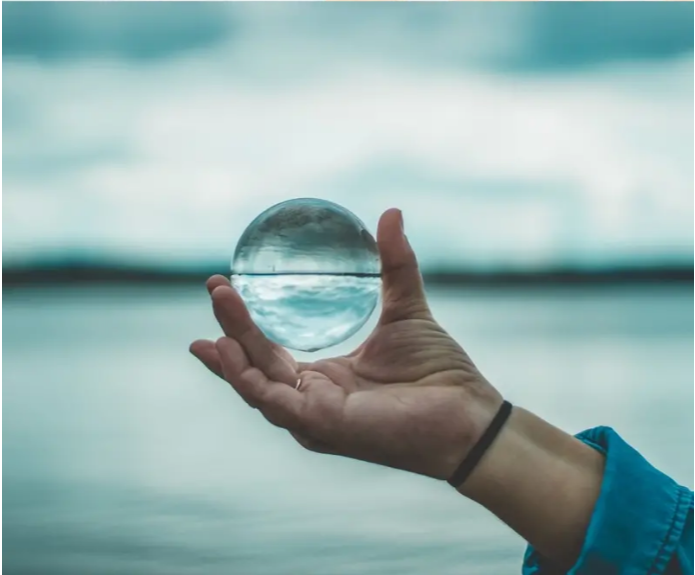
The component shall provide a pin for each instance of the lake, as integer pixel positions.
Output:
(123, 455)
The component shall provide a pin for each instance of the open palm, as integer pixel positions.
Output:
(409, 397)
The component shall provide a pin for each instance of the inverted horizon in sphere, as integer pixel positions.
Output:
(309, 273)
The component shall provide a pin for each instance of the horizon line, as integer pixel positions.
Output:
(89, 274)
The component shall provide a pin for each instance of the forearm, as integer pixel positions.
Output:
(540, 481)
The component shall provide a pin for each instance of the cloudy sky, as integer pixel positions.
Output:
(510, 134)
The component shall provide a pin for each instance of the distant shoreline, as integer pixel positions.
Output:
(78, 274)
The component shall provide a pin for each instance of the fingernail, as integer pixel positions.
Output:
(408, 246)
(400, 217)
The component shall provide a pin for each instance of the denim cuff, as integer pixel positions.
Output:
(638, 519)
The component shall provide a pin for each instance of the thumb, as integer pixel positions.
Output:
(403, 290)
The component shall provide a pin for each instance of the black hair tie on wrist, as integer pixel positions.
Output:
(479, 449)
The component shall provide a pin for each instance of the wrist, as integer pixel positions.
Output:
(541, 481)
(479, 407)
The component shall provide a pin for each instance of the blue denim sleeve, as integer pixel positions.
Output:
(642, 522)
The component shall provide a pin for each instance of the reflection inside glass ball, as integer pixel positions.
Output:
(308, 271)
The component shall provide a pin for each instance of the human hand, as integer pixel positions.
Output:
(409, 397)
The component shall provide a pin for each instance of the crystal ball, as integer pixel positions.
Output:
(309, 273)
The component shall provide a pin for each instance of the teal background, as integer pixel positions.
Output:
(516, 138)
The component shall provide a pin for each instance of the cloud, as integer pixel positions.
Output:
(301, 37)
(509, 134)
(131, 31)
(491, 169)
(585, 33)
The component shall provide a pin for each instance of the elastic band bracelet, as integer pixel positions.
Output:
(479, 449)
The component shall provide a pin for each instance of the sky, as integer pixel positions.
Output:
(512, 135)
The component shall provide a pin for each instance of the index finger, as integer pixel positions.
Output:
(236, 322)
(216, 281)
(280, 404)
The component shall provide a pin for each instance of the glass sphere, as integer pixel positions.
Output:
(309, 273)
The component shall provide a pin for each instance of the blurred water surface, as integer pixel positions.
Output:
(122, 455)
